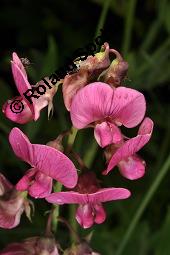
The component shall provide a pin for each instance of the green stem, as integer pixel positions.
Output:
(56, 208)
(130, 12)
(73, 222)
(72, 208)
(71, 137)
(90, 154)
(102, 16)
(143, 205)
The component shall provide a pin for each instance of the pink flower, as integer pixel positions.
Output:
(47, 164)
(31, 246)
(30, 111)
(12, 204)
(90, 197)
(130, 165)
(106, 108)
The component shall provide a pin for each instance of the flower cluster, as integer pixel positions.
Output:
(96, 98)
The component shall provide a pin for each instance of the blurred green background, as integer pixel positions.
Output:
(46, 32)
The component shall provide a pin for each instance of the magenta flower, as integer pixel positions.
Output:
(12, 204)
(30, 111)
(130, 165)
(90, 197)
(106, 108)
(32, 246)
(47, 164)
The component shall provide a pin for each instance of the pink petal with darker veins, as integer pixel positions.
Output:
(46, 159)
(128, 107)
(107, 133)
(21, 145)
(98, 101)
(108, 194)
(132, 168)
(91, 103)
(133, 145)
(102, 195)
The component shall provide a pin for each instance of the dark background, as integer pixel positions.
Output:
(46, 32)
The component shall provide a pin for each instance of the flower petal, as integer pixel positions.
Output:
(107, 133)
(10, 211)
(84, 215)
(67, 197)
(98, 100)
(108, 194)
(128, 107)
(25, 181)
(91, 103)
(46, 159)
(21, 145)
(132, 168)
(20, 79)
(54, 164)
(133, 145)
(41, 187)
(100, 214)
(17, 61)
(17, 110)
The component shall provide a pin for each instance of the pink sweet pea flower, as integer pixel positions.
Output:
(12, 204)
(107, 108)
(32, 246)
(130, 165)
(47, 164)
(90, 197)
(30, 111)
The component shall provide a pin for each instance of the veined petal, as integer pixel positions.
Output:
(107, 133)
(67, 197)
(21, 145)
(132, 167)
(133, 145)
(54, 164)
(98, 101)
(128, 107)
(108, 194)
(91, 103)
(46, 159)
